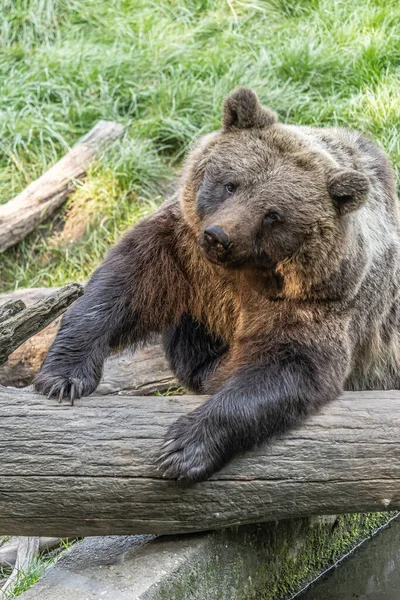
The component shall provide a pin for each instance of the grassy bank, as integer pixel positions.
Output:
(162, 68)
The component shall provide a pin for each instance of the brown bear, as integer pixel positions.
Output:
(273, 275)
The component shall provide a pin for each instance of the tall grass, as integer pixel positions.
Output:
(163, 68)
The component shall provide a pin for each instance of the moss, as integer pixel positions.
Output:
(270, 561)
(319, 544)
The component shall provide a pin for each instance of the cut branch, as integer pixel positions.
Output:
(10, 308)
(90, 469)
(28, 321)
(27, 555)
(147, 372)
(9, 550)
(42, 197)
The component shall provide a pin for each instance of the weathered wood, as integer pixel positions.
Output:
(42, 197)
(9, 550)
(27, 555)
(141, 374)
(25, 323)
(90, 470)
(10, 308)
(146, 372)
(24, 363)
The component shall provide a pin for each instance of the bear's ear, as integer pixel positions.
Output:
(348, 189)
(242, 110)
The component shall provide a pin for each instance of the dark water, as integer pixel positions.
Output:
(372, 572)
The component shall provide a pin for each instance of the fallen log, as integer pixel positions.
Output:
(146, 372)
(25, 322)
(42, 197)
(90, 469)
(141, 374)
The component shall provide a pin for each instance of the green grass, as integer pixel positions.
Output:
(35, 570)
(173, 390)
(25, 580)
(162, 68)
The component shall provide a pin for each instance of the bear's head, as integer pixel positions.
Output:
(264, 195)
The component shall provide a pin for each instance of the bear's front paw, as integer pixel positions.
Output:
(192, 451)
(61, 386)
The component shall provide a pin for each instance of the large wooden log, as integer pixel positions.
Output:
(26, 321)
(42, 197)
(90, 470)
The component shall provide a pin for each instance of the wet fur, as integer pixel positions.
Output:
(297, 315)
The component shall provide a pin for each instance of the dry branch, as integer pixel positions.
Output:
(146, 372)
(90, 469)
(28, 321)
(23, 364)
(10, 308)
(27, 554)
(9, 550)
(42, 197)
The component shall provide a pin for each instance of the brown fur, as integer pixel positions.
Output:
(296, 297)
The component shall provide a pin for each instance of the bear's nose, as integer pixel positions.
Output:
(215, 236)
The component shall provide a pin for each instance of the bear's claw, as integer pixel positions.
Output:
(189, 454)
(63, 387)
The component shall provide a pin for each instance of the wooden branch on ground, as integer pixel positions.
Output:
(23, 364)
(90, 469)
(9, 550)
(10, 308)
(42, 197)
(24, 323)
(145, 372)
(27, 555)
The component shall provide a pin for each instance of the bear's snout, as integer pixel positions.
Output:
(215, 243)
(216, 237)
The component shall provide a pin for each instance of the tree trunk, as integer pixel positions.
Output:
(42, 197)
(90, 469)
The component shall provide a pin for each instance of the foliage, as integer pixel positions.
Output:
(163, 67)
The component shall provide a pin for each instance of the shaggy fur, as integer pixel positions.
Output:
(273, 275)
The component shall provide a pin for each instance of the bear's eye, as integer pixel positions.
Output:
(273, 216)
(230, 188)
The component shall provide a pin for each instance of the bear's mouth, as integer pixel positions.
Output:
(215, 257)
(239, 260)
(225, 258)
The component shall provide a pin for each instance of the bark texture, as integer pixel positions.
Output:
(18, 323)
(146, 372)
(90, 469)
